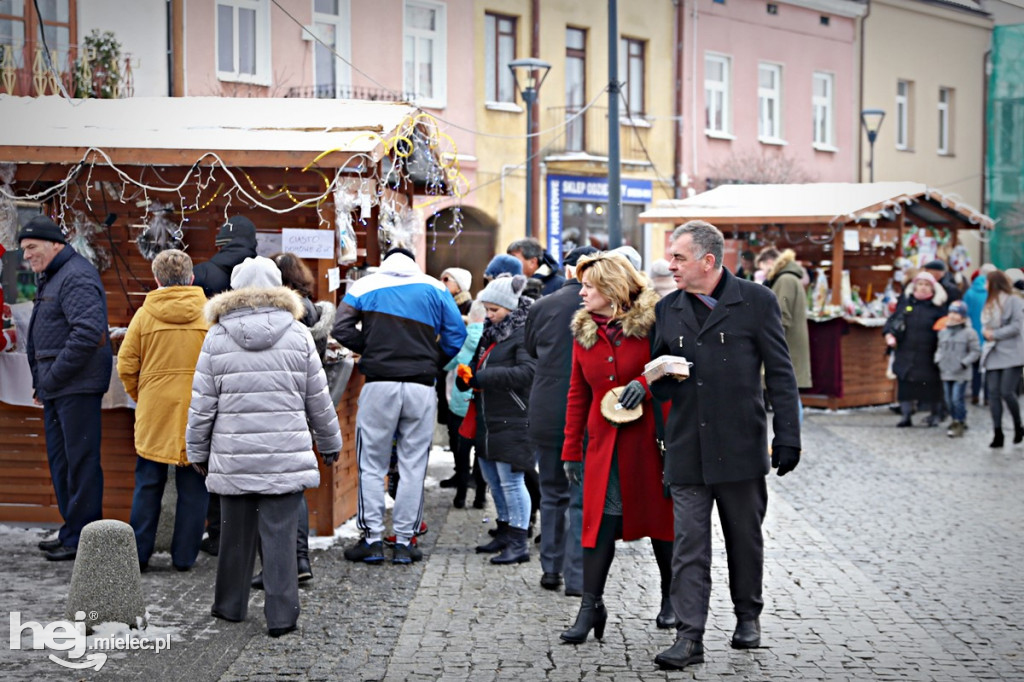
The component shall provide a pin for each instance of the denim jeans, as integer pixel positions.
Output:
(954, 393)
(189, 513)
(511, 499)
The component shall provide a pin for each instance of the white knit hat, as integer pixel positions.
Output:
(256, 272)
(462, 277)
(631, 255)
(504, 291)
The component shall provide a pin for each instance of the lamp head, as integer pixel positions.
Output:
(871, 121)
(531, 67)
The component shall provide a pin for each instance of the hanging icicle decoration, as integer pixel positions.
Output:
(8, 213)
(82, 238)
(346, 200)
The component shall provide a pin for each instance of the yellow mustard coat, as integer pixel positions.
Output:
(156, 363)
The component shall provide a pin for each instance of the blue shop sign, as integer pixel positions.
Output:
(586, 188)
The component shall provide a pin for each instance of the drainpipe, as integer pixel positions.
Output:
(693, 90)
(534, 189)
(170, 48)
(677, 104)
(860, 76)
(986, 69)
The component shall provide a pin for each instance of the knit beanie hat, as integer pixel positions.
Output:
(503, 263)
(255, 272)
(958, 307)
(236, 226)
(41, 227)
(462, 277)
(504, 291)
(631, 255)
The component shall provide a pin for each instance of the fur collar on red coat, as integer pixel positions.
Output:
(636, 322)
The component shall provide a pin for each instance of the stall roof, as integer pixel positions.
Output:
(176, 130)
(813, 203)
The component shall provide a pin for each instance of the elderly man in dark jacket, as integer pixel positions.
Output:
(70, 357)
(549, 341)
(538, 264)
(236, 241)
(716, 435)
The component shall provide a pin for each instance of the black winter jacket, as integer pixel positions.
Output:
(214, 276)
(502, 410)
(549, 341)
(915, 346)
(68, 341)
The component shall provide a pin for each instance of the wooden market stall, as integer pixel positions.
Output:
(855, 228)
(129, 177)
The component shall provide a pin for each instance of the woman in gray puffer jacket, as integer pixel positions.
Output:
(258, 388)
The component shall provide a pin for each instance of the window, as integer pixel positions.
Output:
(20, 43)
(331, 22)
(575, 85)
(903, 93)
(632, 68)
(945, 120)
(821, 103)
(243, 41)
(12, 32)
(716, 94)
(499, 50)
(769, 100)
(425, 52)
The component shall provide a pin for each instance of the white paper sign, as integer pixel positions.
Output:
(308, 243)
(268, 243)
(333, 279)
(851, 240)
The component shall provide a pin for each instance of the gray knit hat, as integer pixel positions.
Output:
(256, 272)
(504, 291)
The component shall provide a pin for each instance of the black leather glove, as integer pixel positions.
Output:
(329, 457)
(785, 458)
(573, 472)
(200, 467)
(632, 395)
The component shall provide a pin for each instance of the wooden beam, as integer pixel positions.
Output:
(173, 157)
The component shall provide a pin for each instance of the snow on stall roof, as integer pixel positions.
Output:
(202, 123)
(798, 203)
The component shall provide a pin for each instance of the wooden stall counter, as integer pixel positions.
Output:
(848, 364)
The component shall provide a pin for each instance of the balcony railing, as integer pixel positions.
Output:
(588, 134)
(24, 71)
(350, 92)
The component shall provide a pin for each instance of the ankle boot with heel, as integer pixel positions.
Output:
(997, 439)
(592, 616)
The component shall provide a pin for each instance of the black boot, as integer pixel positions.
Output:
(498, 543)
(997, 439)
(450, 482)
(516, 551)
(459, 501)
(592, 614)
(1018, 434)
(666, 619)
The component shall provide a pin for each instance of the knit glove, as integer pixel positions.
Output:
(785, 458)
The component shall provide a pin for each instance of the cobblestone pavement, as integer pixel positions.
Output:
(891, 554)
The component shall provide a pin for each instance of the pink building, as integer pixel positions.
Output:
(770, 91)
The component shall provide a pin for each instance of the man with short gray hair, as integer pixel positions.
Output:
(716, 450)
(538, 264)
(156, 362)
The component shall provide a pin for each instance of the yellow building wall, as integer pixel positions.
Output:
(651, 21)
(932, 47)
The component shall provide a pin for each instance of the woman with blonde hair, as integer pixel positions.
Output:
(623, 495)
(1002, 356)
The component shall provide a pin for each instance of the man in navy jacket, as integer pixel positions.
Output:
(70, 357)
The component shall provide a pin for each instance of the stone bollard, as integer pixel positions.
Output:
(105, 583)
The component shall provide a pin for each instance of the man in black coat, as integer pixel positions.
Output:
(236, 241)
(549, 340)
(716, 435)
(70, 357)
(538, 264)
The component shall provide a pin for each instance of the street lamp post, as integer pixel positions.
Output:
(535, 71)
(871, 121)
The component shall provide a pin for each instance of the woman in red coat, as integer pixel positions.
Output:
(622, 480)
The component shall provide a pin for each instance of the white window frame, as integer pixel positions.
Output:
(945, 121)
(713, 87)
(262, 38)
(343, 44)
(823, 110)
(492, 58)
(439, 98)
(903, 114)
(767, 100)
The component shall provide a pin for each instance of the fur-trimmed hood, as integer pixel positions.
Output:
(636, 323)
(323, 326)
(255, 317)
(786, 260)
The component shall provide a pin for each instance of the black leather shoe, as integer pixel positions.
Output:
(449, 482)
(277, 632)
(681, 654)
(305, 570)
(50, 545)
(666, 619)
(62, 554)
(747, 635)
(257, 581)
(551, 581)
(210, 545)
(903, 423)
